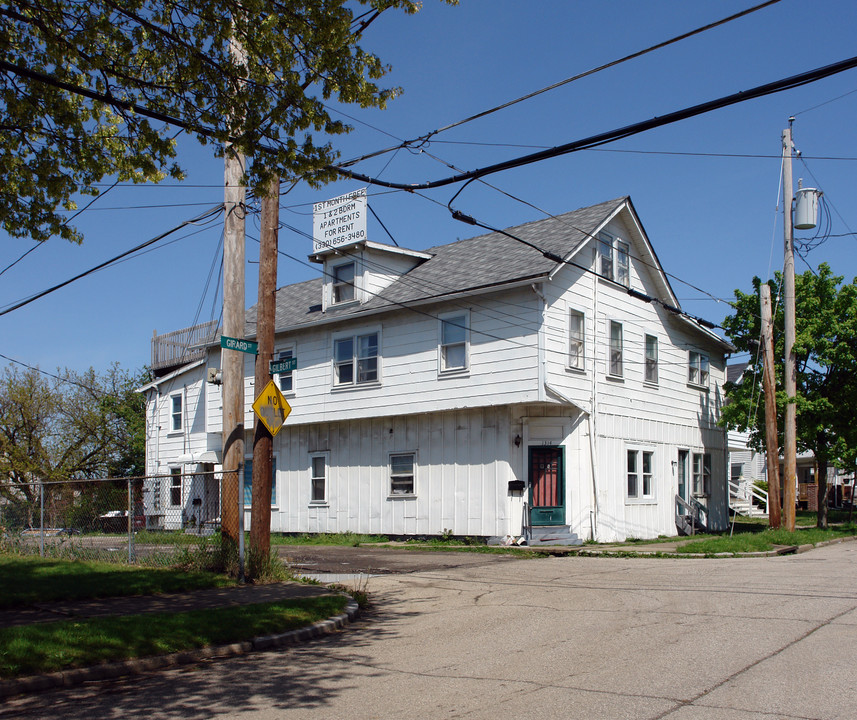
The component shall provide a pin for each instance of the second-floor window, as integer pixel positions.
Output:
(176, 413)
(651, 359)
(453, 342)
(285, 380)
(697, 369)
(615, 360)
(343, 283)
(355, 359)
(576, 345)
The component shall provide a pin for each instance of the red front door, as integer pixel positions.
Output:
(547, 483)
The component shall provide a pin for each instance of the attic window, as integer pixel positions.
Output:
(614, 259)
(343, 283)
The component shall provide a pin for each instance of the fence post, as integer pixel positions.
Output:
(42, 518)
(241, 522)
(130, 522)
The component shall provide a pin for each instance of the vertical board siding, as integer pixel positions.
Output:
(461, 484)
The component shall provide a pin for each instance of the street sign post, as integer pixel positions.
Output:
(272, 408)
(281, 366)
(245, 346)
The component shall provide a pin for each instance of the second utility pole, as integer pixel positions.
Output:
(789, 379)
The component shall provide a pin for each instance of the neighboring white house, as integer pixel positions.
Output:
(475, 387)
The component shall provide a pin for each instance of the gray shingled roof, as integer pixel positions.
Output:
(482, 262)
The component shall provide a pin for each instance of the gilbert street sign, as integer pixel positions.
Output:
(272, 408)
(245, 346)
(281, 366)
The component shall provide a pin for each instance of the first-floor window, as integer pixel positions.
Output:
(651, 359)
(576, 343)
(702, 474)
(615, 348)
(248, 481)
(640, 474)
(175, 487)
(318, 478)
(402, 473)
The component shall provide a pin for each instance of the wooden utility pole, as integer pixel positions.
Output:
(232, 361)
(789, 378)
(263, 444)
(770, 386)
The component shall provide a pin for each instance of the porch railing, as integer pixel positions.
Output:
(690, 515)
(746, 499)
(182, 346)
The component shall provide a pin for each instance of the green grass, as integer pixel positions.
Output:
(347, 538)
(47, 647)
(27, 579)
(765, 539)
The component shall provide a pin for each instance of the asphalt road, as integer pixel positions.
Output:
(565, 638)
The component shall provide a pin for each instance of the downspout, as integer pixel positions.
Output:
(541, 350)
(593, 445)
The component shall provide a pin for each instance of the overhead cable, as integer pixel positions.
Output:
(204, 216)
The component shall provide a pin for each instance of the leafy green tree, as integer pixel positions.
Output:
(86, 88)
(67, 427)
(826, 371)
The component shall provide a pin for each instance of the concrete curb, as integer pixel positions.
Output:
(137, 666)
(776, 552)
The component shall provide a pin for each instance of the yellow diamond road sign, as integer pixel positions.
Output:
(272, 408)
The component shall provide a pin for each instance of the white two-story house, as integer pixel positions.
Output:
(483, 387)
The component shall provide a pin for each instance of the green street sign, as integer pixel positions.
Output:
(245, 346)
(281, 366)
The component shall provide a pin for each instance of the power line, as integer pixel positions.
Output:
(592, 141)
(626, 58)
(213, 211)
(567, 148)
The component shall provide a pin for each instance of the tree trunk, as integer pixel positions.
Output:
(821, 479)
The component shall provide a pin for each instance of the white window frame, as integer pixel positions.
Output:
(392, 476)
(644, 471)
(615, 369)
(650, 360)
(248, 487)
(614, 258)
(176, 474)
(698, 369)
(355, 338)
(336, 283)
(325, 458)
(180, 414)
(449, 319)
(700, 474)
(576, 340)
(283, 353)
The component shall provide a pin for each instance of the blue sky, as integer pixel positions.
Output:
(707, 189)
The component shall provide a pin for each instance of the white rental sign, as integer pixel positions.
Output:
(339, 222)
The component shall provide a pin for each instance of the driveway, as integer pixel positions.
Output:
(729, 639)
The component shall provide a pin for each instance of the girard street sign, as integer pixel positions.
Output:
(271, 408)
(245, 346)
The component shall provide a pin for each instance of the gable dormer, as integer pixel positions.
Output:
(356, 274)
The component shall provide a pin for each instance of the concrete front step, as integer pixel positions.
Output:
(553, 535)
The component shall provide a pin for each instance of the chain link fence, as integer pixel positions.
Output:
(154, 520)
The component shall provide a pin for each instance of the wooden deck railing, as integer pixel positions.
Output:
(182, 346)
